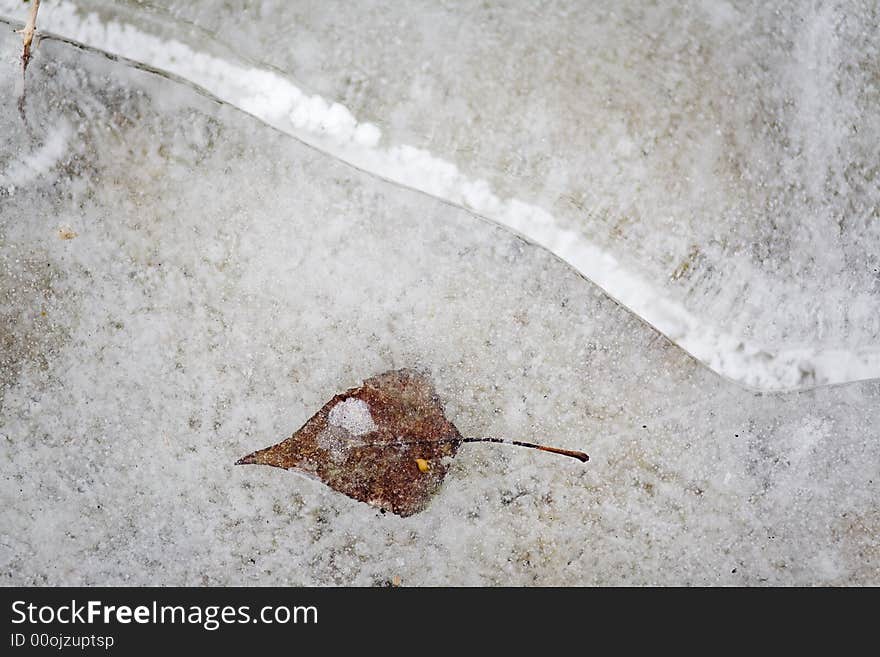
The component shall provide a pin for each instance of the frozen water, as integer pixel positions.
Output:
(353, 415)
(225, 280)
(712, 166)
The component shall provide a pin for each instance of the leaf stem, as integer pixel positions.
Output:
(580, 456)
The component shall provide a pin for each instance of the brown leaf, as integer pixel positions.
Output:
(367, 443)
(386, 443)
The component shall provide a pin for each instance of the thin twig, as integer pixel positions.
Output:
(27, 35)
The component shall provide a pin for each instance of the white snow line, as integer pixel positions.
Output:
(332, 128)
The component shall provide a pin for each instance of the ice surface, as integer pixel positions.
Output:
(353, 415)
(225, 280)
(711, 165)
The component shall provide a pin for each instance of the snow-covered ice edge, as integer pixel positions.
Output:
(331, 127)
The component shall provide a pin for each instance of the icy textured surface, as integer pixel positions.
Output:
(180, 284)
(711, 165)
(353, 415)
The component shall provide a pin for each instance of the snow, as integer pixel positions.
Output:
(353, 415)
(42, 159)
(675, 190)
(367, 135)
(226, 280)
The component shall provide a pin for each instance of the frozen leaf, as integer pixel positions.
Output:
(366, 441)
(386, 443)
